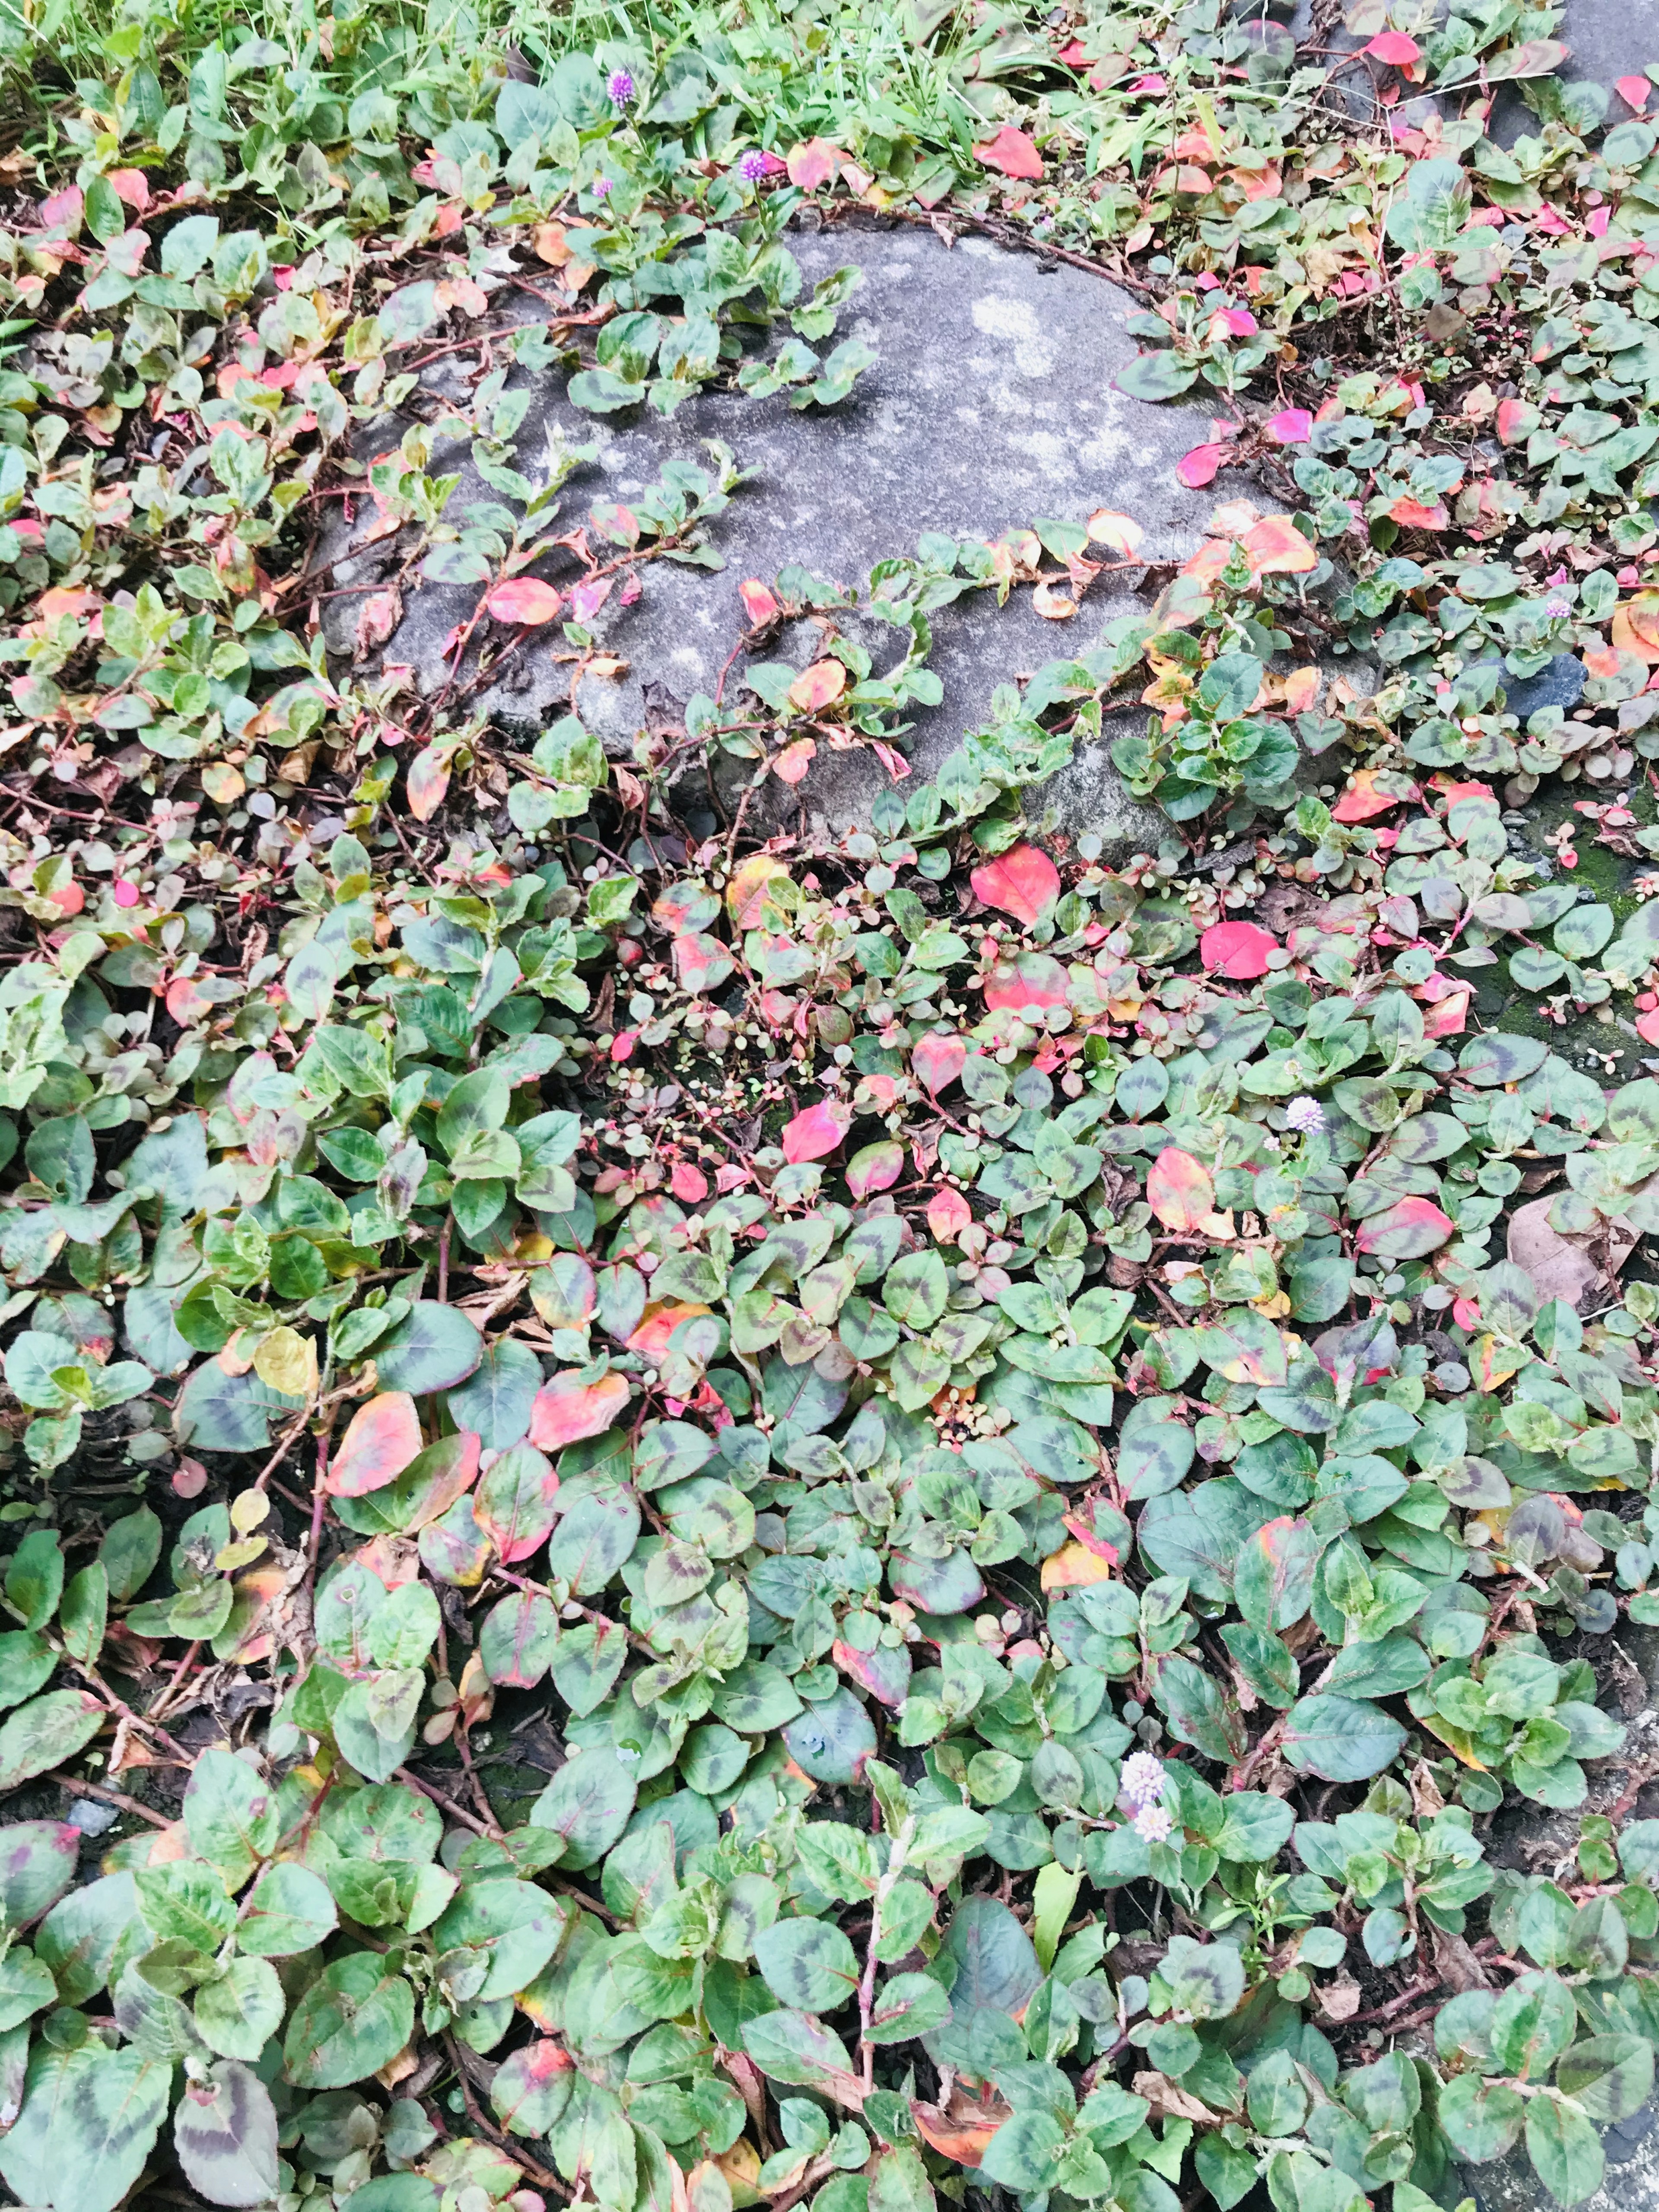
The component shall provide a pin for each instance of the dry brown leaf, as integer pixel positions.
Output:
(1170, 2099)
(1338, 1999)
(1561, 1266)
(963, 2128)
(1456, 1965)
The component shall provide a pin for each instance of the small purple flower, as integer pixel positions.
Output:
(1153, 1823)
(620, 86)
(1305, 1115)
(601, 188)
(753, 167)
(1556, 606)
(1143, 1780)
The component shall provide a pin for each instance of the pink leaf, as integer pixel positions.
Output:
(586, 598)
(523, 600)
(1633, 91)
(63, 210)
(1199, 466)
(1394, 47)
(816, 1133)
(948, 1214)
(936, 1061)
(758, 603)
(132, 187)
(893, 761)
(1180, 1191)
(689, 1183)
(1291, 426)
(1033, 980)
(186, 1002)
(1236, 950)
(567, 1409)
(1011, 152)
(378, 617)
(1021, 882)
(813, 162)
(384, 1437)
(793, 763)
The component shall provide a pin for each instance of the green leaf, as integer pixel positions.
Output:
(289, 1910)
(45, 1733)
(354, 2019)
(1342, 1739)
(588, 1801)
(1155, 376)
(1532, 2024)
(225, 2133)
(1205, 1980)
(231, 1818)
(794, 2047)
(435, 1349)
(907, 2005)
(89, 2120)
(237, 2015)
(809, 1964)
(1564, 2149)
(37, 1865)
(996, 1963)
(1026, 2152)
(831, 1741)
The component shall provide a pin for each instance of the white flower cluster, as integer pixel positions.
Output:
(1142, 1784)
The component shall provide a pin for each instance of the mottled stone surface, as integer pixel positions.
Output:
(992, 403)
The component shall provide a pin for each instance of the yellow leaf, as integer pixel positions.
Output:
(287, 1361)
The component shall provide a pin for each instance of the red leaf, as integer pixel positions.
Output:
(1179, 1191)
(1633, 91)
(1199, 466)
(1021, 882)
(1238, 950)
(812, 163)
(948, 1215)
(793, 763)
(1011, 152)
(567, 1409)
(1291, 426)
(523, 600)
(428, 781)
(132, 187)
(689, 1183)
(384, 1437)
(818, 687)
(1364, 799)
(816, 1133)
(1411, 514)
(875, 1167)
(758, 603)
(189, 1479)
(936, 1061)
(1395, 47)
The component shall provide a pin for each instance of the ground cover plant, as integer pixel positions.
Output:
(700, 1516)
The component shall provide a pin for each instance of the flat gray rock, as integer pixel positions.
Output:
(991, 404)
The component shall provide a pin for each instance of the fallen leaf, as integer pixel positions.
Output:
(1291, 426)
(1276, 547)
(964, 2127)
(1051, 602)
(1394, 47)
(1338, 1998)
(1170, 2101)
(1012, 153)
(1370, 794)
(1560, 1266)
(1633, 91)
